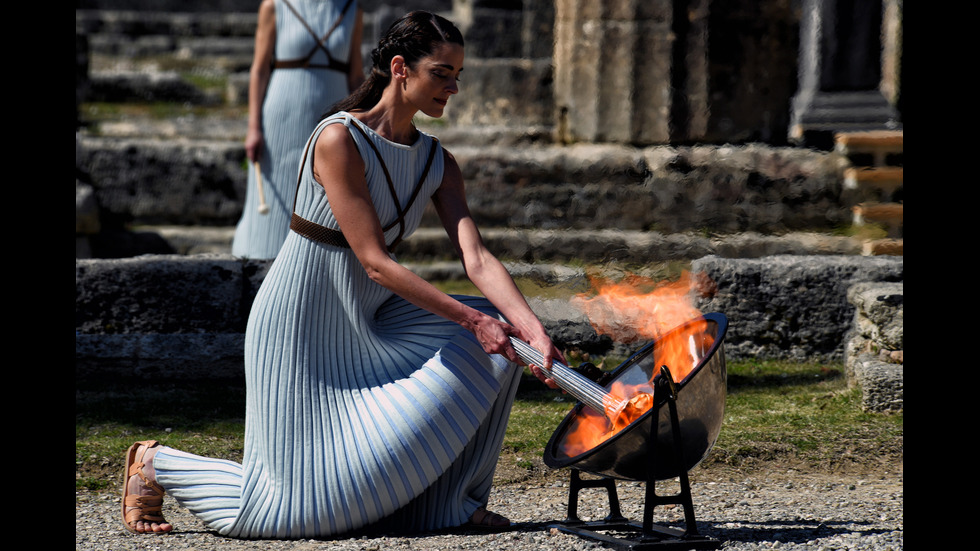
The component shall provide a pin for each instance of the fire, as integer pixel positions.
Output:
(638, 308)
(633, 309)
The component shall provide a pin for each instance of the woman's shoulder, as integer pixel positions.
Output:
(334, 129)
(334, 134)
(336, 117)
(333, 124)
(336, 145)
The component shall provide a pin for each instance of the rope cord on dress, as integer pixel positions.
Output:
(304, 62)
(323, 234)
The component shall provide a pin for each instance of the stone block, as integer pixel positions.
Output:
(493, 33)
(882, 384)
(135, 86)
(612, 79)
(160, 356)
(876, 344)
(503, 92)
(790, 307)
(537, 29)
(151, 181)
(163, 294)
(880, 313)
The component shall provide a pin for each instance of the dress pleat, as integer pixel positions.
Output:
(363, 410)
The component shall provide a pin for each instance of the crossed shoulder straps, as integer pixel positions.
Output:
(321, 44)
(331, 236)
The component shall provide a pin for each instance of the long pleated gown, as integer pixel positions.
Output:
(295, 99)
(361, 406)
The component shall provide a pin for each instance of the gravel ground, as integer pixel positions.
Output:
(785, 511)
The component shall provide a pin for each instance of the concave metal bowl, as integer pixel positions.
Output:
(700, 401)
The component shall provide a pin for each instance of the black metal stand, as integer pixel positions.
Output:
(646, 536)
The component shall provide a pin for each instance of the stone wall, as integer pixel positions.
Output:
(191, 173)
(163, 316)
(626, 71)
(792, 307)
(670, 189)
(185, 315)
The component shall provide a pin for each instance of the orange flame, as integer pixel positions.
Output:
(633, 309)
(639, 308)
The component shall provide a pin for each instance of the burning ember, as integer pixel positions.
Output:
(633, 309)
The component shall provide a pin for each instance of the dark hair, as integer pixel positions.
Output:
(413, 37)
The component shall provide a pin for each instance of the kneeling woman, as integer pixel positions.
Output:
(371, 395)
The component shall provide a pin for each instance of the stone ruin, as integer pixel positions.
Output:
(623, 133)
(875, 354)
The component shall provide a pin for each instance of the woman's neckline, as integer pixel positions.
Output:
(365, 126)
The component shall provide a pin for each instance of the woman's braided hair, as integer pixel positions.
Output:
(413, 37)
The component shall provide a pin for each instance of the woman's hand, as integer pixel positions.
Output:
(253, 144)
(494, 336)
(542, 343)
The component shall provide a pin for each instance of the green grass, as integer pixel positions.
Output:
(529, 288)
(865, 231)
(95, 112)
(779, 415)
(203, 418)
(536, 412)
(803, 414)
(205, 81)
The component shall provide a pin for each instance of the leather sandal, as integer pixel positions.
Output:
(487, 520)
(141, 508)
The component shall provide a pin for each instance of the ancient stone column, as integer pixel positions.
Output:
(674, 71)
(849, 69)
(613, 70)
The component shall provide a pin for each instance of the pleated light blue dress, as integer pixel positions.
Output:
(361, 406)
(295, 100)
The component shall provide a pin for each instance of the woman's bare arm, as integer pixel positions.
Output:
(340, 170)
(483, 268)
(258, 81)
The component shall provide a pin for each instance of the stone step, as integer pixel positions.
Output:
(879, 177)
(879, 247)
(883, 178)
(885, 147)
(878, 184)
(723, 189)
(135, 23)
(431, 246)
(878, 140)
(889, 214)
(137, 86)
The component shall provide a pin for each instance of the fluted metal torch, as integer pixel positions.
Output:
(590, 393)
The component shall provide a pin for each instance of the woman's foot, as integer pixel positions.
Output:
(142, 496)
(483, 518)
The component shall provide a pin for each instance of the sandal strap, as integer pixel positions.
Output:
(485, 517)
(481, 513)
(137, 467)
(136, 515)
(144, 508)
(147, 503)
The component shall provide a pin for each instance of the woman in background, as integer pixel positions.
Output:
(307, 57)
